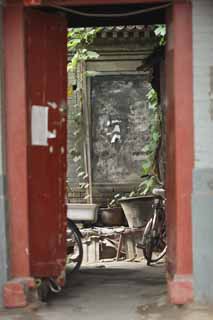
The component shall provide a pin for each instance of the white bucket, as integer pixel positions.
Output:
(82, 211)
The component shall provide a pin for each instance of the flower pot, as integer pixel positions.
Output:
(82, 211)
(137, 210)
(112, 216)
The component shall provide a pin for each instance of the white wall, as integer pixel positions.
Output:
(202, 196)
(203, 85)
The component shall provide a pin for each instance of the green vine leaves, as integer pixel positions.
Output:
(79, 40)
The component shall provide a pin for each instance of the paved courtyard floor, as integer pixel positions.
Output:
(121, 291)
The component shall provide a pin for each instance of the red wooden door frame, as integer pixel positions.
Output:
(180, 153)
(179, 144)
(16, 139)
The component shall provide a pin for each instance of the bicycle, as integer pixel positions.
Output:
(74, 259)
(153, 243)
(74, 246)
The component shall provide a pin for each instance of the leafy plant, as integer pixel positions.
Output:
(115, 201)
(160, 32)
(149, 165)
(79, 39)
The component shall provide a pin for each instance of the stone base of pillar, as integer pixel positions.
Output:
(180, 289)
(19, 292)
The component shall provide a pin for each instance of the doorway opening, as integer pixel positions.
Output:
(114, 116)
(116, 127)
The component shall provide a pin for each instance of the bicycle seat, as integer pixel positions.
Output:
(159, 192)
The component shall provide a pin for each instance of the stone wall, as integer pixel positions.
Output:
(120, 127)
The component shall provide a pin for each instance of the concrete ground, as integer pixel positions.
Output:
(121, 291)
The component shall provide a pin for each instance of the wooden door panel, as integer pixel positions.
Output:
(46, 79)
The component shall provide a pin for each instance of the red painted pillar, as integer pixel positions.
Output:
(16, 145)
(179, 151)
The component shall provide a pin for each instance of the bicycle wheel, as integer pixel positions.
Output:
(74, 247)
(43, 290)
(154, 242)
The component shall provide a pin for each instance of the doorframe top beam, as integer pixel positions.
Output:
(91, 2)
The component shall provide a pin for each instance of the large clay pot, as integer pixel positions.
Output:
(112, 216)
(137, 210)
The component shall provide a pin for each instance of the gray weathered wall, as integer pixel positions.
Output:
(120, 127)
(3, 242)
(114, 169)
(202, 198)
